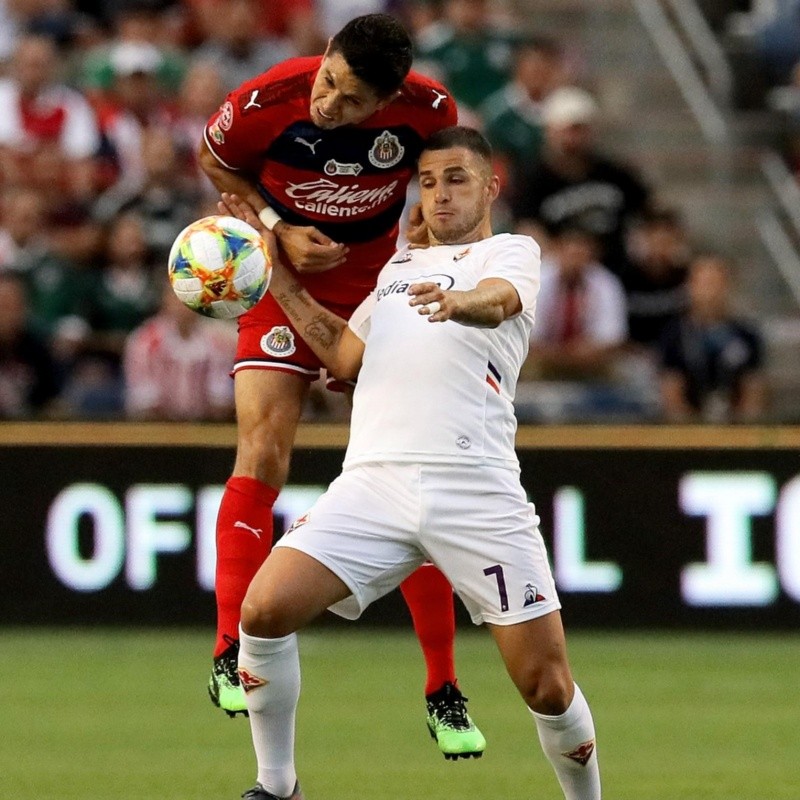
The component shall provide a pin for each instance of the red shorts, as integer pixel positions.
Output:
(267, 340)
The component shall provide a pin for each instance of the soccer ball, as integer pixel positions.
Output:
(219, 266)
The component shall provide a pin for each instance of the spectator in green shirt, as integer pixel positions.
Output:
(470, 55)
(513, 115)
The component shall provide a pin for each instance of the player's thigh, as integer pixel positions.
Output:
(479, 529)
(289, 590)
(269, 404)
(364, 530)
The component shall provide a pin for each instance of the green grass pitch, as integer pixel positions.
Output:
(124, 714)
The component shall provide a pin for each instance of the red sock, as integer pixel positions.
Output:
(429, 598)
(244, 539)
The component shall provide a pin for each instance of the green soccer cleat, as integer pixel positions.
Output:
(224, 687)
(258, 792)
(451, 726)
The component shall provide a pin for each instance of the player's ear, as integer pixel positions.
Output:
(493, 188)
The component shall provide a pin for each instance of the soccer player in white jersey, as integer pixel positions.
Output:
(430, 472)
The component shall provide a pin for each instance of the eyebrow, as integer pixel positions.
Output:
(329, 74)
(447, 171)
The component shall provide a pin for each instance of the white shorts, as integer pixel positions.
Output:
(378, 522)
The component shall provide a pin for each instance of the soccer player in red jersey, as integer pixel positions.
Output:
(323, 148)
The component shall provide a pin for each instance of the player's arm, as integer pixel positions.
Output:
(229, 181)
(327, 334)
(308, 249)
(491, 302)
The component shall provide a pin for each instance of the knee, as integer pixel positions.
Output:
(265, 619)
(549, 692)
(261, 454)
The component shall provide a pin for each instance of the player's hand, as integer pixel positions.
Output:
(417, 230)
(235, 206)
(308, 249)
(432, 302)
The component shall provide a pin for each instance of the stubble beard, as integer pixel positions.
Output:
(461, 231)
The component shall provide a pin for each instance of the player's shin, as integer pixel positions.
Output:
(568, 741)
(429, 598)
(244, 539)
(269, 671)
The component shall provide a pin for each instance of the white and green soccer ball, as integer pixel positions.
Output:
(219, 266)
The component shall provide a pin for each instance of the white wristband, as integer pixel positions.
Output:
(269, 217)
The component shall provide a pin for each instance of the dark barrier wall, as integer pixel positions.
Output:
(646, 526)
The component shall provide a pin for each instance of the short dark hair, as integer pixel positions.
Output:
(545, 45)
(460, 136)
(378, 50)
(662, 216)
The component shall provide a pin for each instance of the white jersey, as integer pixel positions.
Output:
(441, 392)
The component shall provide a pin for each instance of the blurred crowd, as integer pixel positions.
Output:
(102, 107)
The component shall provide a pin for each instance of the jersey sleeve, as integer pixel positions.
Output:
(517, 260)
(361, 318)
(434, 107)
(253, 115)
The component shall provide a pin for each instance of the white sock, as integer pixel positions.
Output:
(272, 680)
(568, 742)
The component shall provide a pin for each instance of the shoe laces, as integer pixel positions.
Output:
(228, 660)
(448, 705)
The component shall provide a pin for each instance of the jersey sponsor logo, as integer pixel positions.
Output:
(532, 595)
(386, 151)
(438, 98)
(250, 681)
(310, 145)
(444, 282)
(459, 256)
(226, 116)
(278, 342)
(333, 167)
(215, 134)
(334, 200)
(251, 103)
(403, 259)
(582, 753)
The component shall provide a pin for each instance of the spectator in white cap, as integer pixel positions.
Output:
(139, 45)
(135, 102)
(569, 106)
(133, 58)
(573, 183)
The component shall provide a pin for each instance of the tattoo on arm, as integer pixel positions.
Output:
(319, 326)
(322, 330)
